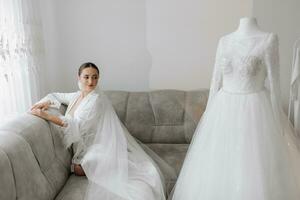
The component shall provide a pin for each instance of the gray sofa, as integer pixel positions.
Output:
(34, 165)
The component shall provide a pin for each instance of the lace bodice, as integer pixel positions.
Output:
(240, 62)
(243, 65)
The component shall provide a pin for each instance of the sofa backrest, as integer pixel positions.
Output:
(162, 116)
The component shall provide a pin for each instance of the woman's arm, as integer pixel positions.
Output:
(49, 117)
(54, 100)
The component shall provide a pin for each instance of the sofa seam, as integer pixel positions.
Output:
(126, 108)
(154, 116)
(13, 172)
(184, 116)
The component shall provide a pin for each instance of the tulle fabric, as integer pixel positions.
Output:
(239, 153)
(116, 166)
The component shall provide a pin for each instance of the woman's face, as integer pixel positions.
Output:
(88, 79)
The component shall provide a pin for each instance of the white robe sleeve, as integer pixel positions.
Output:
(56, 99)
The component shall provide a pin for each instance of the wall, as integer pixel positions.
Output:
(54, 79)
(183, 36)
(281, 17)
(139, 44)
(109, 33)
(153, 44)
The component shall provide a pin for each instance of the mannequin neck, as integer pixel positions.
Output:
(248, 26)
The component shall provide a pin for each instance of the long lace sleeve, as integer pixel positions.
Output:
(271, 60)
(216, 81)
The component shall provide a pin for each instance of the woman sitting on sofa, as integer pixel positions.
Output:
(114, 163)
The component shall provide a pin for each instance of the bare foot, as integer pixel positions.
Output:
(78, 171)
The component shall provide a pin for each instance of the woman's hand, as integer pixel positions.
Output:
(43, 106)
(44, 115)
(40, 113)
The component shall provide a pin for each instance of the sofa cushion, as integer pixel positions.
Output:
(173, 154)
(74, 188)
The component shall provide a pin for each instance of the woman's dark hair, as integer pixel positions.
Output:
(87, 65)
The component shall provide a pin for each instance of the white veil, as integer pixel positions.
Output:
(115, 158)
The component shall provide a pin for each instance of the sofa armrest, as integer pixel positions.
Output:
(32, 153)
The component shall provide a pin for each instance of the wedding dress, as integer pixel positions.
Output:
(116, 166)
(243, 147)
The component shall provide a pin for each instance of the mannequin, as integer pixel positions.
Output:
(243, 147)
(248, 27)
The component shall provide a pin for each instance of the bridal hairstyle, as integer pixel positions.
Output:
(87, 65)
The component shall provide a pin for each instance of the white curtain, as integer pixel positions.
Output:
(21, 56)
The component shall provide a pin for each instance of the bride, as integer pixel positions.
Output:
(243, 147)
(114, 163)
